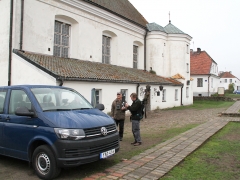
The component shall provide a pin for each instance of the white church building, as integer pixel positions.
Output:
(86, 44)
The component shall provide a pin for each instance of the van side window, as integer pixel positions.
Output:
(2, 100)
(18, 99)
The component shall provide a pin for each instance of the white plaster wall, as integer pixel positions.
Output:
(178, 55)
(108, 91)
(213, 88)
(26, 73)
(214, 69)
(200, 90)
(87, 29)
(225, 85)
(156, 53)
(4, 40)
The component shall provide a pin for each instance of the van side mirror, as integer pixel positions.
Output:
(100, 107)
(24, 111)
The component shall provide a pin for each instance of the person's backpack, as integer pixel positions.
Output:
(141, 110)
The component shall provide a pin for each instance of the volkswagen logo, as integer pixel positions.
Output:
(104, 131)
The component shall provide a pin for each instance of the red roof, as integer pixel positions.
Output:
(200, 62)
(226, 75)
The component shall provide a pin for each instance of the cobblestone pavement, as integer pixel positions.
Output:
(157, 161)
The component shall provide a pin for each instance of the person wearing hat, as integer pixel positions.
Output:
(118, 113)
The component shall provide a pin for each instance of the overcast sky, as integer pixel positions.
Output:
(214, 26)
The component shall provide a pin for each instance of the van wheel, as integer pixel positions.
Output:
(44, 163)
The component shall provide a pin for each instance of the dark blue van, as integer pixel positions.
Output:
(53, 127)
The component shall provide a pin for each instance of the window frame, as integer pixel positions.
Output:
(164, 95)
(98, 93)
(63, 44)
(199, 82)
(187, 92)
(106, 49)
(176, 94)
(135, 57)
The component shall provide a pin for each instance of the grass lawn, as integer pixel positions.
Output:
(217, 159)
(201, 104)
(231, 95)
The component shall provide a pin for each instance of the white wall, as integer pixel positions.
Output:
(204, 90)
(4, 40)
(224, 84)
(108, 91)
(86, 31)
(26, 73)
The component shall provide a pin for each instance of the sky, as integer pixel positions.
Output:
(214, 26)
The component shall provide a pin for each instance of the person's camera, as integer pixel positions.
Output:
(118, 107)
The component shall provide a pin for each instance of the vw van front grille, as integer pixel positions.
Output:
(83, 152)
(96, 132)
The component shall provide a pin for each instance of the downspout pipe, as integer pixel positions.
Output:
(61, 82)
(181, 95)
(208, 86)
(137, 88)
(10, 44)
(21, 25)
(145, 50)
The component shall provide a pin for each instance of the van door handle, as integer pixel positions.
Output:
(7, 118)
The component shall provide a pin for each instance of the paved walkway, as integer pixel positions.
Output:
(233, 110)
(157, 161)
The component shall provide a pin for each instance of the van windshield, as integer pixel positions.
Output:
(59, 99)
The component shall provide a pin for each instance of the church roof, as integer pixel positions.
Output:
(122, 8)
(155, 27)
(79, 70)
(171, 29)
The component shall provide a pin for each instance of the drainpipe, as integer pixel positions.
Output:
(208, 85)
(137, 88)
(145, 49)
(10, 44)
(181, 95)
(61, 82)
(21, 25)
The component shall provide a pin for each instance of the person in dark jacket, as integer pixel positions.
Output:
(134, 109)
(118, 113)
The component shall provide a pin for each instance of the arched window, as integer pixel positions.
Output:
(137, 48)
(64, 35)
(108, 41)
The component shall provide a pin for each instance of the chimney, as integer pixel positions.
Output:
(230, 72)
(198, 50)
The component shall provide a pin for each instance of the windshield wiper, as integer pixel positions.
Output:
(81, 108)
(57, 110)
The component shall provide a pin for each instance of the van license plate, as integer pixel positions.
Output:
(107, 154)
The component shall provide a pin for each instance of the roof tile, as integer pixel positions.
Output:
(121, 7)
(200, 63)
(74, 69)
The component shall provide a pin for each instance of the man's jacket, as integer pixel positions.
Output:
(117, 113)
(134, 109)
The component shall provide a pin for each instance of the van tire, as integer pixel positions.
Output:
(44, 163)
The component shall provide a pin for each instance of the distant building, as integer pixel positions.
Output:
(227, 78)
(204, 71)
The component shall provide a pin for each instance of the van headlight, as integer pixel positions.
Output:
(69, 134)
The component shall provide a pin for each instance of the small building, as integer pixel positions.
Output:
(227, 78)
(204, 71)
